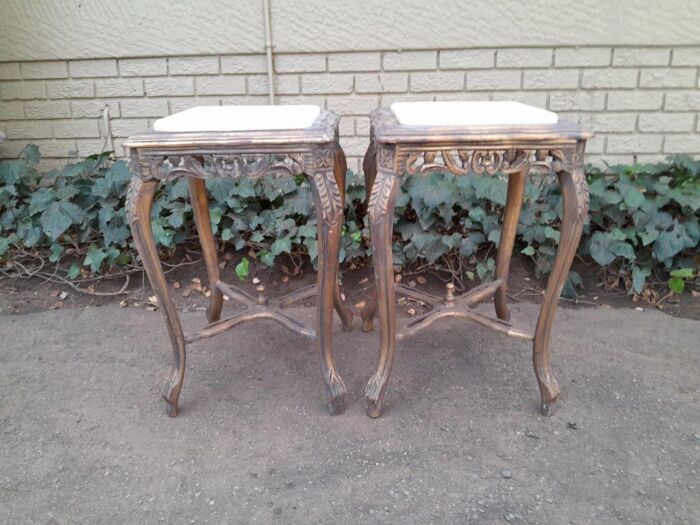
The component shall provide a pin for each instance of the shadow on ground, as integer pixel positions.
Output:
(84, 437)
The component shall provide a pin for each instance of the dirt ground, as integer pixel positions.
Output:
(84, 437)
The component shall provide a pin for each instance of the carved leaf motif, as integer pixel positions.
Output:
(381, 192)
(462, 162)
(132, 194)
(328, 195)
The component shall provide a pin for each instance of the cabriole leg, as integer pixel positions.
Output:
(514, 203)
(575, 207)
(200, 210)
(381, 213)
(369, 166)
(329, 215)
(340, 168)
(139, 202)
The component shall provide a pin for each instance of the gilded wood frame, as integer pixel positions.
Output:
(395, 150)
(313, 152)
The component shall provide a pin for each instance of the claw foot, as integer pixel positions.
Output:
(374, 394)
(336, 393)
(171, 393)
(549, 393)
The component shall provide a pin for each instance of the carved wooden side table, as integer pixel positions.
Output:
(482, 138)
(243, 141)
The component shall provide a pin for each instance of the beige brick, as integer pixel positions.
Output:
(244, 64)
(467, 58)
(346, 127)
(533, 98)
(609, 78)
(582, 56)
(183, 103)
(171, 86)
(682, 144)
(10, 149)
(193, 65)
(284, 85)
(124, 127)
(145, 107)
(325, 83)
(682, 101)
(87, 147)
(595, 145)
(11, 110)
(354, 146)
(76, 128)
(48, 69)
(30, 129)
(57, 148)
(641, 56)
(70, 88)
(142, 67)
(686, 56)
(388, 99)
(244, 99)
(228, 85)
(362, 126)
(551, 79)
(479, 96)
(493, 80)
(603, 161)
(576, 100)
(22, 90)
(47, 109)
(634, 143)
(437, 81)
(354, 61)
(609, 122)
(300, 63)
(93, 68)
(524, 57)
(317, 100)
(634, 100)
(410, 60)
(666, 122)
(9, 71)
(381, 82)
(93, 108)
(668, 78)
(119, 87)
(353, 104)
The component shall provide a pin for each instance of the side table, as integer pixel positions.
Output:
(483, 138)
(243, 141)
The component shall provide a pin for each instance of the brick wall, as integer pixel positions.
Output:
(642, 102)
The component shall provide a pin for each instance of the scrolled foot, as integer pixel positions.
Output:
(549, 393)
(336, 395)
(374, 396)
(171, 394)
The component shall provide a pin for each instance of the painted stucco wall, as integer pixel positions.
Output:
(628, 69)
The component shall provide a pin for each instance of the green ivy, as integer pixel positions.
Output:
(644, 219)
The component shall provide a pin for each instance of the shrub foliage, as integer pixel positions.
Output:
(644, 219)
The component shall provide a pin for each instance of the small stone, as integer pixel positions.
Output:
(63, 295)
(360, 305)
(421, 279)
(176, 285)
(397, 278)
(412, 284)
(411, 311)
(284, 278)
(342, 296)
(364, 280)
(256, 280)
(507, 474)
(639, 309)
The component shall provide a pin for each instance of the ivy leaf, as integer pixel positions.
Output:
(58, 216)
(94, 258)
(676, 284)
(56, 252)
(528, 250)
(40, 200)
(220, 187)
(639, 278)
(266, 257)
(281, 246)
(6, 242)
(430, 189)
(31, 154)
(73, 271)
(242, 269)
(683, 273)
